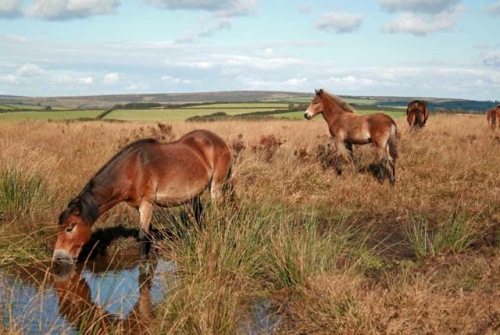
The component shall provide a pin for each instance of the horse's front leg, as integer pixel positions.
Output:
(145, 211)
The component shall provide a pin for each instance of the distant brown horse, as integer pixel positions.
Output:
(493, 117)
(348, 128)
(417, 113)
(143, 174)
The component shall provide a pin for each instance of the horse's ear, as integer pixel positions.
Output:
(319, 92)
(78, 208)
(75, 207)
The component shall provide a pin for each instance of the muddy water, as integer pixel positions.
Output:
(35, 301)
(101, 296)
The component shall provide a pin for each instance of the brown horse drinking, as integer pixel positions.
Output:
(348, 128)
(143, 174)
(417, 114)
(493, 117)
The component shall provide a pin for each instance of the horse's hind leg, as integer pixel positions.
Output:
(392, 165)
(145, 211)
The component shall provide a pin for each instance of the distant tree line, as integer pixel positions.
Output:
(138, 105)
(452, 106)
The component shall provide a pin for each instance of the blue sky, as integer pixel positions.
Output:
(416, 48)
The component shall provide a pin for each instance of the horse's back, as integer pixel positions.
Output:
(208, 144)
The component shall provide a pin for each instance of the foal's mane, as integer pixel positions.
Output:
(336, 100)
(85, 202)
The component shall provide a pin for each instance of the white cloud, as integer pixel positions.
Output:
(339, 22)
(170, 79)
(216, 26)
(10, 8)
(494, 9)
(221, 13)
(139, 86)
(422, 25)
(351, 82)
(267, 52)
(30, 70)
(296, 82)
(13, 38)
(9, 79)
(254, 82)
(111, 78)
(85, 80)
(418, 6)
(221, 8)
(236, 61)
(70, 9)
(491, 58)
(186, 38)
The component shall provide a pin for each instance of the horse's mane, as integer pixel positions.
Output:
(420, 102)
(85, 202)
(124, 152)
(341, 103)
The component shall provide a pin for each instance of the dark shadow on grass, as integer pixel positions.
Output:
(374, 169)
(102, 238)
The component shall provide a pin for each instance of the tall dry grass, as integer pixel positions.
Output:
(331, 254)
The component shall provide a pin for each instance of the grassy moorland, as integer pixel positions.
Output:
(330, 254)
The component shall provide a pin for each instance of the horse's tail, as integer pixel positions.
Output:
(393, 141)
(418, 118)
(426, 112)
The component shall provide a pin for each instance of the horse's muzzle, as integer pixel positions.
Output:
(62, 257)
(307, 116)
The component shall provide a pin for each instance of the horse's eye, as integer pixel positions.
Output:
(317, 102)
(69, 229)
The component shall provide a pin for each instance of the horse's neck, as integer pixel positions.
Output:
(106, 194)
(332, 112)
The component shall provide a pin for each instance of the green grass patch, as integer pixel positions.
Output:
(48, 115)
(171, 115)
(18, 193)
(455, 235)
(250, 105)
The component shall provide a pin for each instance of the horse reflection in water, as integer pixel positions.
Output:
(77, 307)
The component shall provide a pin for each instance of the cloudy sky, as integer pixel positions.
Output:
(428, 48)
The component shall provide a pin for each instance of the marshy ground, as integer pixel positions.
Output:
(327, 254)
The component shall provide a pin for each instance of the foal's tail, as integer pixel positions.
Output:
(393, 141)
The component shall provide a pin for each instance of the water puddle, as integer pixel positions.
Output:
(100, 297)
(103, 295)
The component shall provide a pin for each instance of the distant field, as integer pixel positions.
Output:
(359, 101)
(257, 106)
(166, 115)
(181, 114)
(52, 115)
(300, 115)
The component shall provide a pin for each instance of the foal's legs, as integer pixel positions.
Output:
(145, 211)
(342, 153)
